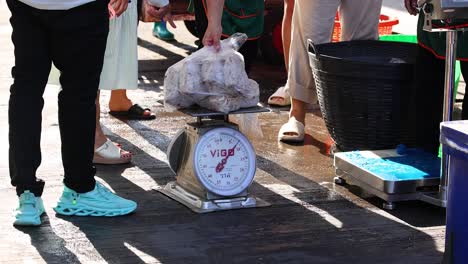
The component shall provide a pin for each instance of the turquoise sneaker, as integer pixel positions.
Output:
(160, 31)
(98, 202)
(29, 210)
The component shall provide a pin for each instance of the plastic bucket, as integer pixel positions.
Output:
(454, 137)
(363, 89)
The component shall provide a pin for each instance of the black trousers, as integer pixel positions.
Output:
(428, 99)
(250, 48)
(75, 41)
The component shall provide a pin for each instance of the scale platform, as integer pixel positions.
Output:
(389, 175)
(207, 113)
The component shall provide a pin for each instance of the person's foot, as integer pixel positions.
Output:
(135, 112)
(29, 210)
(280, 97)
(298, 110)
(294, 129)
(111, 154)
(121, 104)
(160, 31)
(98, 202)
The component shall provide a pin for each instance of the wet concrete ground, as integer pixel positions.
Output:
(311, 220)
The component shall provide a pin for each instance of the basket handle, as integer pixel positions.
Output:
(312, 48)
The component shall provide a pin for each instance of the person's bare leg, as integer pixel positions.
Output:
(286, 34)
(286, 30)
(99, 138)
(120, 102)
(298, 108)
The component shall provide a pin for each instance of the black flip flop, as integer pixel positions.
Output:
(135, 112)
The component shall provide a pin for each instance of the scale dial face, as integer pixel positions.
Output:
(224, 161)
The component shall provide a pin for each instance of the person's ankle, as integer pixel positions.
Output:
(302, 120)
(298, 110)
(298, 115)
(120, 105)
(99, 141)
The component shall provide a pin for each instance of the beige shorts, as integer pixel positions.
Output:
(314, 20)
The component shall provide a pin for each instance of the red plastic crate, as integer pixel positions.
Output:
(385, 26)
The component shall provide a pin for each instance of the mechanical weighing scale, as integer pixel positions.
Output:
(400, 174)
(214, 163)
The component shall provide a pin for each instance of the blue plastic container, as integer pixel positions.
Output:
(454, 137)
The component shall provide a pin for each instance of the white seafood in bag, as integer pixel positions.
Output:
(235, 75)
(210, 79)
(252, 97)
(224, 103)
(212, 75)
(173, 98)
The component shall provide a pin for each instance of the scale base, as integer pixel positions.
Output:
(201, 205)
(434, 198)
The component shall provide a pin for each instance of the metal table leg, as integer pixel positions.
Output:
(440, 198)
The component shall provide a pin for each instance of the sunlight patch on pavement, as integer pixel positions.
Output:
(143, 180)
(142, 255)
(79, 247)
(289, 192)
(157, 142)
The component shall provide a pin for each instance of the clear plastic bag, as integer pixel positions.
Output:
(210, 79)
(248, 124)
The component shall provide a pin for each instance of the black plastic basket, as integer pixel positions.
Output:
(364, 89)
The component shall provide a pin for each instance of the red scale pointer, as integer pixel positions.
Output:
(220, 166)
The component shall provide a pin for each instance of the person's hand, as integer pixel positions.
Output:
(213, 35)
(119, 6)
(162, 13)
(412, 6)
